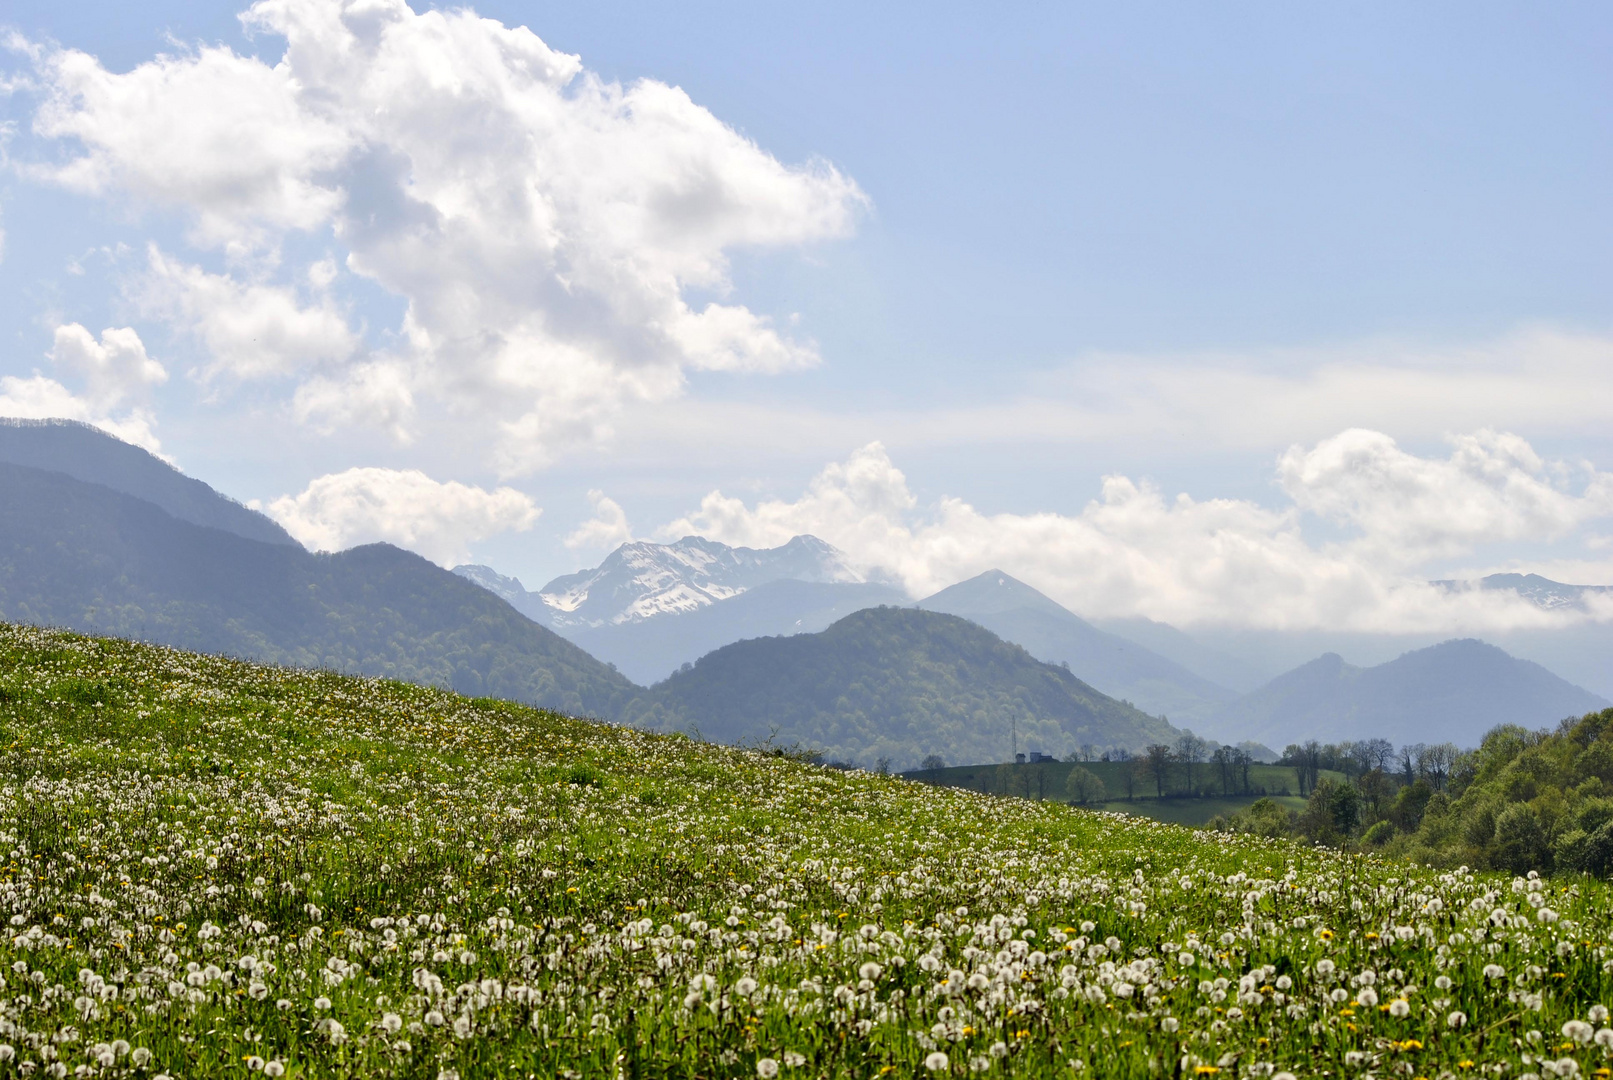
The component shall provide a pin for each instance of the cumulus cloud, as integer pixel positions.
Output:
(114, 369)
(1132, 551)
(117, 375)
(1410, 509)
(404, 507)
(608, 528)
(249, 330)
(542, 225)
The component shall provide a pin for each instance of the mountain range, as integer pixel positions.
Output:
(95, 558)
(641, 580)
(99, 557)
(899, 684)
(1451, 692)
(102, 536)
(1049, 631)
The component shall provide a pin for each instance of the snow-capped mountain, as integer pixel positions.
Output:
(641, 580)
(1542, 592)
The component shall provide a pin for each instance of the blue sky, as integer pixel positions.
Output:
(1169, 242)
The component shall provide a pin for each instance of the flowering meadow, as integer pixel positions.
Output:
(220, 869)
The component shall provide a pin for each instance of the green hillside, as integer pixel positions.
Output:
(82, 555)
(896, 684)
(1128, 788)
(217, 869)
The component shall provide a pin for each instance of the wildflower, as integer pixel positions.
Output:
(391, 1023)
(274, 1068)
(869, 971)
(794, 1059)
(1399, 1008)
(1597, 1014)
(462, 1027)
(433, 1018)
(322, 1003)
(745, 986)
(140, 1057)
(254, 1063)
(1456, 1020)
(1604, 1038)
(1367, 997)
(766, 1068)
(1494, 971)
(936, 1061)
(1579, 1031)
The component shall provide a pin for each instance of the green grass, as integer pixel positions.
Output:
(1046, 781)
(1194, 812)
(215, 869)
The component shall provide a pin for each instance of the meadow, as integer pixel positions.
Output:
(218, 869)
(1197, 804)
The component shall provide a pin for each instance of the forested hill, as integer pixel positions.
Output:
(84, 556)
(89, 454)
(899, 684)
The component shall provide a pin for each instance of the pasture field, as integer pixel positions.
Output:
(1047, 780)
(216, 869)
(1195, 812)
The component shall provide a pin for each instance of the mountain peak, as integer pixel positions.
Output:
(1540, 591)
(642, 579)
(992, 593)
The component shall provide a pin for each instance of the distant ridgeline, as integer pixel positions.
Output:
(99, 552)
(89, 454)
(788, 646)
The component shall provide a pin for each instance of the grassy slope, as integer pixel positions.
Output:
(219, 862)
(1046, 780)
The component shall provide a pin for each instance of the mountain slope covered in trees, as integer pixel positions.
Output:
(83, 556)
(89, 454)
(1052, 633)
(898, 684)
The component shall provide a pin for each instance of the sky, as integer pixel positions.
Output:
(1260, 314)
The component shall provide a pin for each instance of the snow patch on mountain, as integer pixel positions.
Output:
(1542, 592)
(642, 580)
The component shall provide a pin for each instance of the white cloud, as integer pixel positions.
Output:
(41, 398)
(245, 160)
(117, 375)
(404, 507)
(1493, 487)
(115, 369)
(249, 331)
(608, 528)
(1546, 383)
(1186, 561)
(373, 394)
(542, 225)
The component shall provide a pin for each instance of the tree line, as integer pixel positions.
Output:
(1523, 800)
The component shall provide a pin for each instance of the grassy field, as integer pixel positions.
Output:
(1047, 780)
(1194, 812)
(214, 869)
